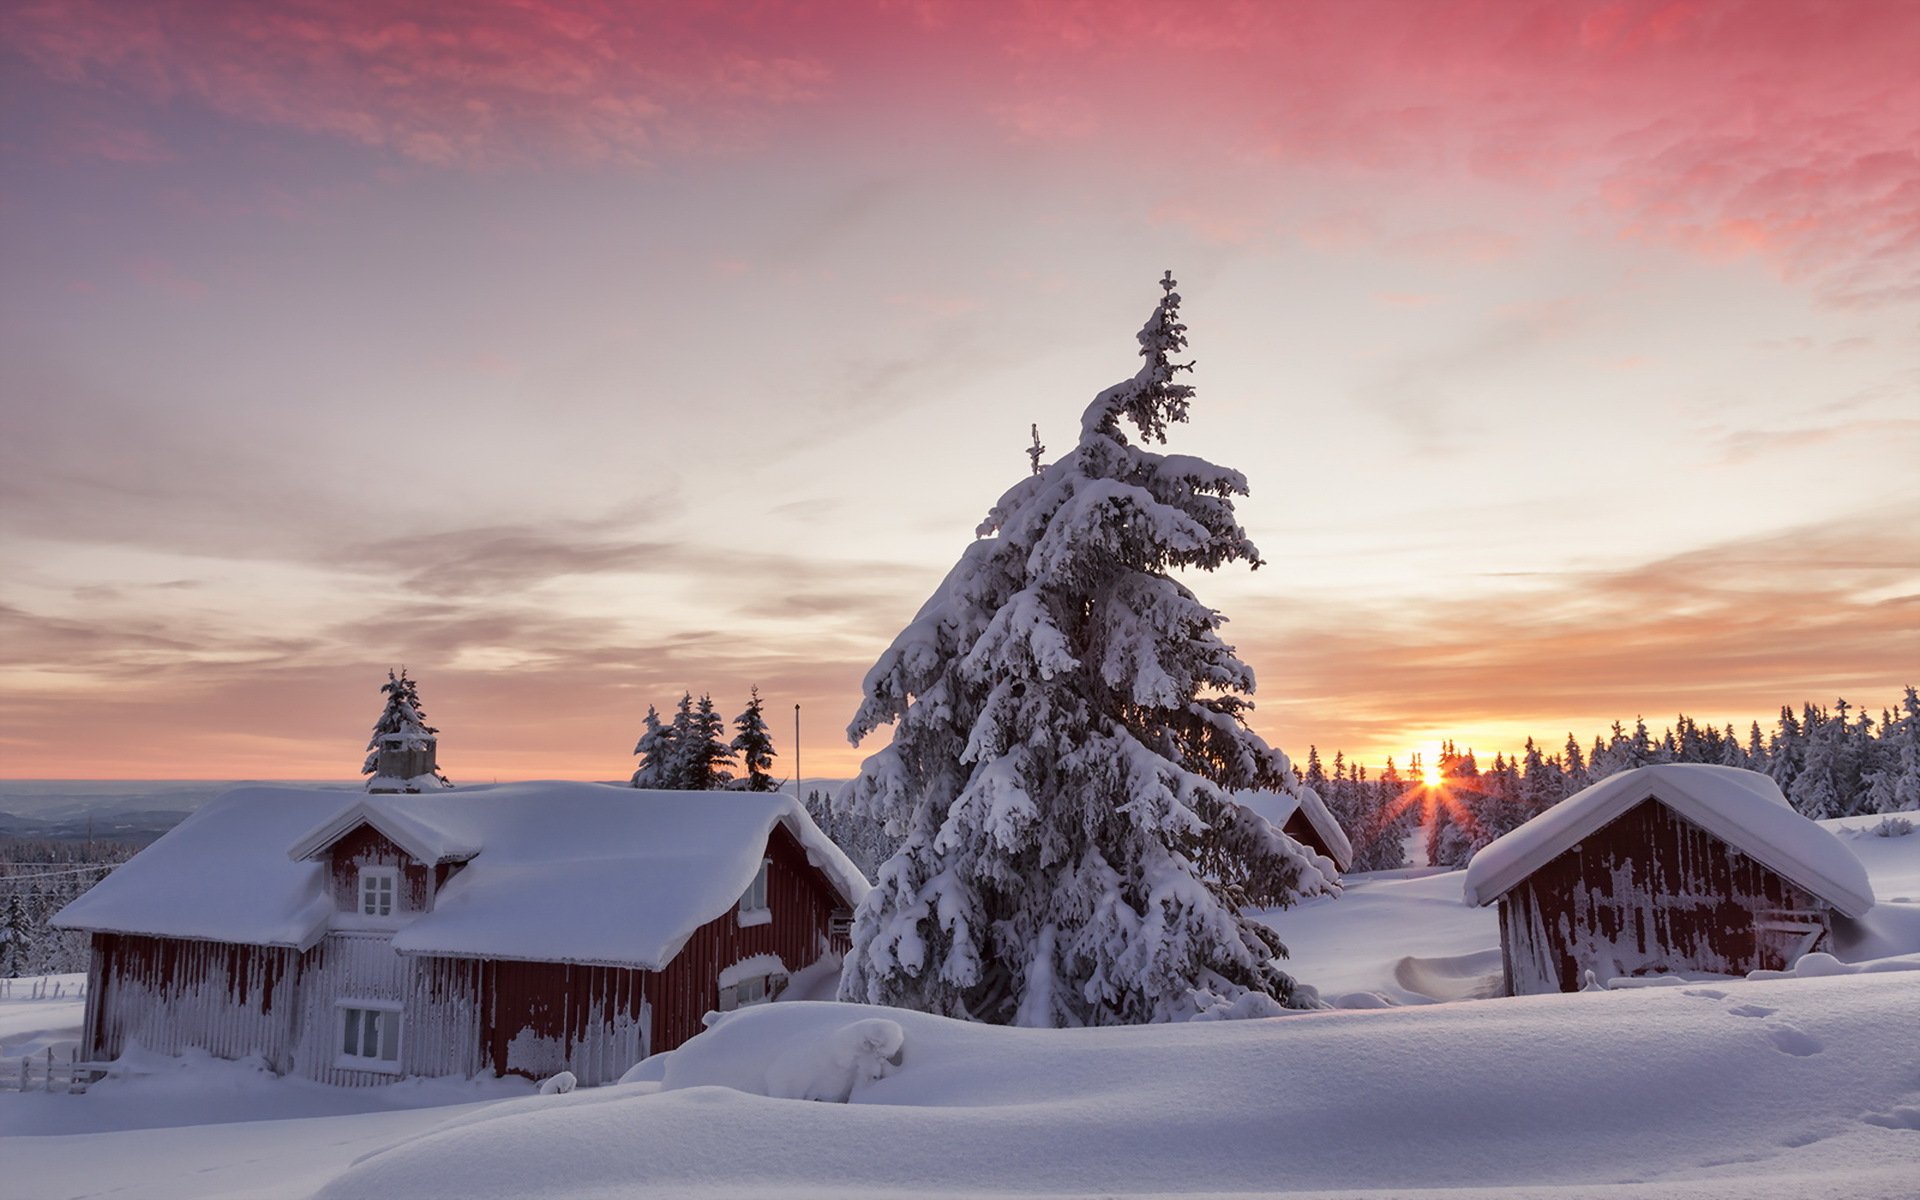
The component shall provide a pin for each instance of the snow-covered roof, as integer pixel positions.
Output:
(1742, 808)
(559, 871)
(1278, 808)
(394, 816)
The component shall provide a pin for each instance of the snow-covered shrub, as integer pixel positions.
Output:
(1891, 827)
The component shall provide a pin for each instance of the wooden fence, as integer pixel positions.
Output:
(40, 987)
(45, 1073)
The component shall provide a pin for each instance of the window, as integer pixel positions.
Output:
(757, 989)
(377, 886)
(370, 1036)
(753, 904)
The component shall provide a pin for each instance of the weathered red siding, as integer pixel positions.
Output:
(541, 1018)
(170, 994)
(460, 1016)
(365, 846)
(1650, 892)
(802, 902)
(1301, 830)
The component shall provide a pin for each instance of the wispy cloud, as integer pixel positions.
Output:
(1727, 632)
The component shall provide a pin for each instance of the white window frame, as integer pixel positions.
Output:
(754, 989)
(352, 1014)
(390, 876)
(753, 903)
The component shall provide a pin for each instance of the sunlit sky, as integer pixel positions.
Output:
(578, 354)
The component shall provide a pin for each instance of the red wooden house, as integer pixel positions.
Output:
(1670, 868)
(515, 929)
(1303, 816)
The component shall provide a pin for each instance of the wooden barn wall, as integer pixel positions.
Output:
(441, 1024)
(365, 846)
(346, 966)
(1652, 891)
(1301, 830)
(172, 994)
(802, 902)
(538, 1019)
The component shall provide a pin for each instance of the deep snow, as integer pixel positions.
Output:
(1789, 1087)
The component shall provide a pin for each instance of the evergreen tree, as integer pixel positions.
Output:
(405, 720)
(17, 928)
(708, 757)
(1068, 731)
(1576, 767)
(657, 753)
(677, 774)
(754, 745)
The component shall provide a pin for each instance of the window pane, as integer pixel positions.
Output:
(390, 1037)
(351, 1042)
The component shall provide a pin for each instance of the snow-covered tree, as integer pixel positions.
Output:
(706, 757)
(1068, 731)
(403, 734)
(17, 928)
(656, 751)
(754, 745)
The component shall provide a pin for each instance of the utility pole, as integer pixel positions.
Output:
(796, 756)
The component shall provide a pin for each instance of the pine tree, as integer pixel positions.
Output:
(677, 773)
(16, 937)
(1068, 730)
(708, 756)
(754, 745)
(402, 724)
(656, 750)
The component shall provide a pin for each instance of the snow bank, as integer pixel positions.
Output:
(1742, 808)
(1673, 1090)
(558, 871)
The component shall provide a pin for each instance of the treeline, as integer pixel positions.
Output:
(1829, 762)
(38, 876)
(690, 753)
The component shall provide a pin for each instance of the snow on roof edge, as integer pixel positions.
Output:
(1743, 808)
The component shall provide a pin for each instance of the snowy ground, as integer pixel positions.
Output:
(1786, 1087)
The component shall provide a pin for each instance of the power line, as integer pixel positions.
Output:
(58, 874)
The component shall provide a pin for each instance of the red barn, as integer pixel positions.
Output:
(514, 929)
(1670, 868)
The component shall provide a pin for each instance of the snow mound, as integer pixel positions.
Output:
(1632, 1094)
(1475, 976)
(796, 1051)
(833, 1069)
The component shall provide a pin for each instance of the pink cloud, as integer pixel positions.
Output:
(478, 85)
(1770, 129)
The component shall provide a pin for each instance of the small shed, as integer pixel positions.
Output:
(1303, 816)
(1668, 868)
(516, 929)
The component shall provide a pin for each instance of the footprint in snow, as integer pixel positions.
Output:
(1901, 1116)
(1752, 1010)
(1789, 1040)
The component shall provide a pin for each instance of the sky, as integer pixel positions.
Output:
(578, 355)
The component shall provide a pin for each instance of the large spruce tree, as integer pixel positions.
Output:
(1069, 729)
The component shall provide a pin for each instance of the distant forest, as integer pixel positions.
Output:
(37, 878)
(1830, 762)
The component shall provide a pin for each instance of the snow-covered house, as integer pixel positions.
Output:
(512, 929)
(1669, 868)
(1303, 816)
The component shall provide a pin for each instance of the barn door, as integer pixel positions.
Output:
(1782, 935)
